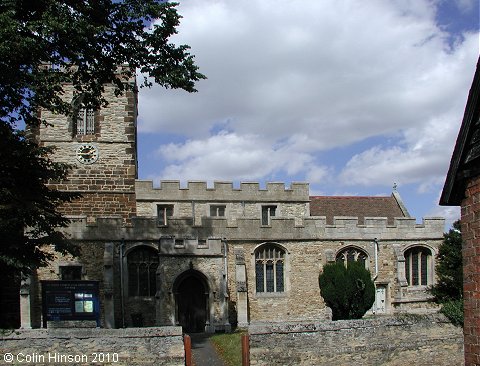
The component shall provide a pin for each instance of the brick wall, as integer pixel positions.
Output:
(471, 270)
(412, 340)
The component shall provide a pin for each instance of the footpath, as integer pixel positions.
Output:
(203, 351)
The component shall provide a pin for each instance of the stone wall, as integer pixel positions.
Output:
(412, 340)
(132, 346)
(471, 270)
(108, 184)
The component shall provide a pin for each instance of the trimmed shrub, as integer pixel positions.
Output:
(348, 291)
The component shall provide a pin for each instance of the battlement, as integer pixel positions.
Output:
(310, 228)
(221, 191)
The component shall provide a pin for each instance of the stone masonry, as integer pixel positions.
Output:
(108, 186)
(391, 341)
(209, 257)
(145, 346)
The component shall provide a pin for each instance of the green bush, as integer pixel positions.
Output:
(453, 310)
(348, 291)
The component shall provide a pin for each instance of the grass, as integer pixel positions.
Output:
(229, 347)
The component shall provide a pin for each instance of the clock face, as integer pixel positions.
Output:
(87, 154)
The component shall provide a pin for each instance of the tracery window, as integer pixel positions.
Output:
(142, 268)
(270, 269)
(352, 254)
(417, 266)
(85, 121)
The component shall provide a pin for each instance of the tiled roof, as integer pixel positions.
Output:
(357, 206)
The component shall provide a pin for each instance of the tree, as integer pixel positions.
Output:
(29, 219)
(348, 291)
(44, 45)
(48, 43)
(448, 290)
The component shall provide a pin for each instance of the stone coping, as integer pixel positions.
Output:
(84, 333)
(321, 326)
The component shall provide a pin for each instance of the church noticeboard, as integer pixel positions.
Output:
(70, 300)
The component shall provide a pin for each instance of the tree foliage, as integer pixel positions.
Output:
(348, 291)
(449, 268)
(29, 219)
(84, 42)
(45, 45)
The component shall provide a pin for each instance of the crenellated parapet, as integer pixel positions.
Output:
(244, 229)
(221, 191)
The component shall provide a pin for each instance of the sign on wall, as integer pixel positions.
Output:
(70, 300)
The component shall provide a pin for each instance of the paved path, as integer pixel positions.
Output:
(203, 352)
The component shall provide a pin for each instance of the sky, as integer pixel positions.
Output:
(351, 96)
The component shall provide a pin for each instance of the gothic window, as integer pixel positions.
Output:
(71, 273)
(417, 266)
(217, 210)
(267, 213)
(85, 121)
(352, 254)
(163, 213)
(142, 267)
(270, 269)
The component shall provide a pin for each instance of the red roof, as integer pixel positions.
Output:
(357, 206)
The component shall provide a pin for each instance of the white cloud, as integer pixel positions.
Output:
(228, 156)
(292, 79)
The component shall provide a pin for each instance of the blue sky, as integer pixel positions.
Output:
(351, 96)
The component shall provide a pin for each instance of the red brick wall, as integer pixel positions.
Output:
(471, 271)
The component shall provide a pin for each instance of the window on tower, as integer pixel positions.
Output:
(85, 121)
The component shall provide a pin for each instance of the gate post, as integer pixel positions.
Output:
(245, 350)
(187, 343)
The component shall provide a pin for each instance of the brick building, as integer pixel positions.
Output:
(462, 188)
(208, 257)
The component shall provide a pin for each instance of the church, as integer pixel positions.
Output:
(211, 257)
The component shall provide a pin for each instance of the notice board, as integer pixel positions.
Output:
(70, 300)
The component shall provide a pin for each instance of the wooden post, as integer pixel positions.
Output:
(245, 350)
(187, 343)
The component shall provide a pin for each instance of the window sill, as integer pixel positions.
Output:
(268, 295)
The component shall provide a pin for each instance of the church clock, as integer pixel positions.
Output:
(87, 154)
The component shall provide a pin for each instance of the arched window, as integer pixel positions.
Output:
(351, 254)
(418, 262)
(269, 268)
(84, 123)
(142, 268)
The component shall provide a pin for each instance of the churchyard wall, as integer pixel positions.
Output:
(406, 340)
(123, 347)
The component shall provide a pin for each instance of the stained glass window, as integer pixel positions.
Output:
(417, 266)
(269, 269)
(142, 268)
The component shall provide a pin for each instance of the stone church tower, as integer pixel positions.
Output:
(101, 147)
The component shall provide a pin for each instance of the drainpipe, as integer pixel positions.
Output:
(225, 268)
(375, 243)
(375, 247)
(122, 301)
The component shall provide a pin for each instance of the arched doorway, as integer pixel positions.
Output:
(191, 295)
